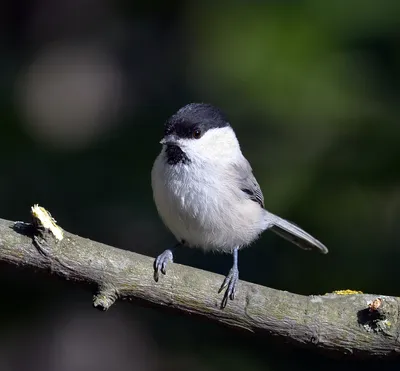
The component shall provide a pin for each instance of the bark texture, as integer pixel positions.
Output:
(357, 325)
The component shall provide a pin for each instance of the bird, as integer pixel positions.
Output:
(206, 193)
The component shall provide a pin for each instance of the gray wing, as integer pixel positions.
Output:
(248, 183)
(288, 230)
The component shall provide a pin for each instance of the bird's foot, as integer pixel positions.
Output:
(160, 264)
(230, 283)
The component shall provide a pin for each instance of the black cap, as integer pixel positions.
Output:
(195, 116)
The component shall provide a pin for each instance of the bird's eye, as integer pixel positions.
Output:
(197, 134)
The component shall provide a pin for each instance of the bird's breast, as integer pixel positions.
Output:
(199, 206)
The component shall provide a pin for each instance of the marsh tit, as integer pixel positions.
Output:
(206, 194)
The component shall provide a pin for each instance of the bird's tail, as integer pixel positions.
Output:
(294, 234)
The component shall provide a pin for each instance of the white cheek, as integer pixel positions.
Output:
(217, 144)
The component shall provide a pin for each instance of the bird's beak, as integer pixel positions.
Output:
(169, 139)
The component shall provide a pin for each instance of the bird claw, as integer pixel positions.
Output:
(160, 264)
(230, 283)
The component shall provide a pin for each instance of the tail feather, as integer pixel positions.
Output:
(296, 235)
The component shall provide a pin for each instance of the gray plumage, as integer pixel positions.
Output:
(206, 193)
(280, 226)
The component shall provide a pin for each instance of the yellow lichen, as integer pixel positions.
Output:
(44, 218)
(346, 292)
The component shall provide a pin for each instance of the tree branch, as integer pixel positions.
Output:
(356, 325)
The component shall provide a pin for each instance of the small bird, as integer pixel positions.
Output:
(206, 194)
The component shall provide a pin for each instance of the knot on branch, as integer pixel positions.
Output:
(105, 298)
(376, 317)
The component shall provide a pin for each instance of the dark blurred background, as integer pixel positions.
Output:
(312, 89)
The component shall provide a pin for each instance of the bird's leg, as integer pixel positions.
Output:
(231, 280)
(160, 264)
